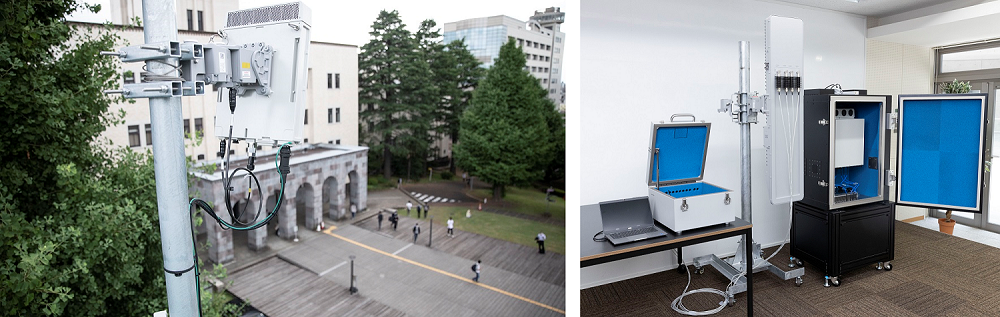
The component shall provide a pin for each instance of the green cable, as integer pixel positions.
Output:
(194, 240)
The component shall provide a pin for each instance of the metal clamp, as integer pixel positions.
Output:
(682, 115)
(823, 183)
(684, 205)
(824, 122)
(727, 200)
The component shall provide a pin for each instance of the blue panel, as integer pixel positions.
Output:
(692, 189)
(867, 178)
(939, 158)
(682, 152)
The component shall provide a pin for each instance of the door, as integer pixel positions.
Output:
(943, 152)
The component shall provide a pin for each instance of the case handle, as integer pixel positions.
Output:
(682, 115)
(684, 205)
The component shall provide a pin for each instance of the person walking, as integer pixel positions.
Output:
(475, 268)
(408, 206)
(540, 238)
(354, 210)
(427, 210)
(379, 220)
(418, 211)
(416, 231)
(451, 227)
(394, 219)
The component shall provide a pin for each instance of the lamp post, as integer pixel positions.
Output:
(353, 289)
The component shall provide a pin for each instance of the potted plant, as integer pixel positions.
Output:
(956, 87)
(946, 224)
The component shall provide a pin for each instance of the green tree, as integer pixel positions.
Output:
(393, 76)
(79, 233)
(504, 136)
(457, 73)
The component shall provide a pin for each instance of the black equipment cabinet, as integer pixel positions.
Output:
(844, 239)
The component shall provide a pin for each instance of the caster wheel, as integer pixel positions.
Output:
(700, 271)
(835, 281)
(791, 265)
(888, 266)
(878, 267)
(798, 281)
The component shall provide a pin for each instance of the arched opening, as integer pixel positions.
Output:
(331, 208)
(303, 205)
(352, 191)
(244, 211)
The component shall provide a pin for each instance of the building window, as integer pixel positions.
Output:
(545, 80)
(133, 136)
(306, 140)
(329, 115)
(201, 157)
(558, 40)
(201, 21)
(329, 80)
(552, 91)
(555, 81)
(338, 114)
(557, 50)
(149, 134)
(306, 120)
(547, 58)
(555, 70)
(536, 44)
(520, 43)
(190, 20)
(528, 42)
(555, 61)
(533, 69)
(129, 77)
(187, 128)
(338, 141)
(329, 142)
(198, 127)
(336, 80)
(527, 56)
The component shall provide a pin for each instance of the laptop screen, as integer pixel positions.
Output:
(625, 213)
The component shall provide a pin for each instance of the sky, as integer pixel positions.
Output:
(348, 22)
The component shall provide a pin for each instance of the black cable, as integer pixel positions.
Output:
(239, 213)
(605, 238)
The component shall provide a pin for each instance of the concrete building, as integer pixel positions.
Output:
(540, 38)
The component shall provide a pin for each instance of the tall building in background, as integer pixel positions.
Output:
(331, 114)
(540, 39)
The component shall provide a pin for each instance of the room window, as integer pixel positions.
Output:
(329, 115)
(545, 80)
(190, 20)
(201, 157)
(329, 80)
(555, 70)
(306, 140)
(557, 50)
(552, 91)
(133, 136)
(558, 40)
(338, 141)
(336, 80)
(306, 116)
(149, 134)
(555, 61)
(338, 114)
(198, 127)
(201, 21)
(187, 128)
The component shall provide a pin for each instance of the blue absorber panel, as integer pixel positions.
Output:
(682, 152)
(693, 189)
(940, 154)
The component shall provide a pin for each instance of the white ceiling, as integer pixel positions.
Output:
(871, 8)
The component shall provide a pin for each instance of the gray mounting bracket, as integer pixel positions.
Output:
(145, 52)
(161, 89)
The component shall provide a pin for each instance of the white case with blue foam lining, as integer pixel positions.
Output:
(677, 196)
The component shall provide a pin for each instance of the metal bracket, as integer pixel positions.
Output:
(162, 89)
(727, 200)
(684, 205)
(190, 51)
(890, 177)
(726, 105)
(145, 52)
(193, 88)
(823, 183)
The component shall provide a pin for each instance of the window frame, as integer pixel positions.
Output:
(133, 131)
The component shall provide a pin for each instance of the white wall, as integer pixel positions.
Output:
(645, 60)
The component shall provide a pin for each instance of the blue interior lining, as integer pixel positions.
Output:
(867, 178)
(692, 189)
(682, 152)
(939, 157)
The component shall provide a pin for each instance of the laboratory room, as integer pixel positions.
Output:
(789, 158)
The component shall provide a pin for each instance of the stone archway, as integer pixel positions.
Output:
(308, 213)
(352, 192)
(331, 201)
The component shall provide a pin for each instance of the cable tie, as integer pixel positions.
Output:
(179, 273)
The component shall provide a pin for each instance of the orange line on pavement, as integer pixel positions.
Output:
(467, 280)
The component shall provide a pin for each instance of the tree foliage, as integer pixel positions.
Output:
(392, 78)
(79, 233)
(505, 134)
(457, 73)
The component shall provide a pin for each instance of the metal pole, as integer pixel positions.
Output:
(352, 289)
(430, 238)
(170, 165)
(744, 104)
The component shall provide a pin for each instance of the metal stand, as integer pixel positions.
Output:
(353, 289)
(744, 112)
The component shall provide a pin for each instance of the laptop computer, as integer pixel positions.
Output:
(629, 220)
